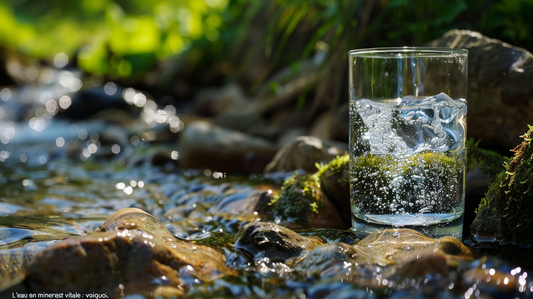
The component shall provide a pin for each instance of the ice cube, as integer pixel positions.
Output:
(380, 136)
(444, 98)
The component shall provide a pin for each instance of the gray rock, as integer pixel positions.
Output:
(204, 145)
(500, 94)
(303, 152)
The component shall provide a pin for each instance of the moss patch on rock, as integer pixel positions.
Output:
(300, 194)
(507, 209)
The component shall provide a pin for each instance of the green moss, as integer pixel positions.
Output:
(517, 208)
(336, 165)
(300, 195)
(489, 161)
(510, 197)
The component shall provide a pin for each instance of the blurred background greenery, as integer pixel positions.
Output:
(215, 41)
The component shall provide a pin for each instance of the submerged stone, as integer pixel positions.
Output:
(395, 246)
(258, 240)
(322, 257)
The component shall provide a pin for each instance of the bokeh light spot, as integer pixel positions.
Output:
(110, 88)
(60, 141)
(60, 60)
(65, 102)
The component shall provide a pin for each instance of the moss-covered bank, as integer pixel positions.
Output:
(507, 209)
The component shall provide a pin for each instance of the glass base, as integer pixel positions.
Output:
(447, 226)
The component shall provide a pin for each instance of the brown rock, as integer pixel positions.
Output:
(394, 246)
(203, 145)
(133, 253)
(340, 128)
(304, 152)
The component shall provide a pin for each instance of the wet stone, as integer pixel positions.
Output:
(258, 240)
(133, 249)
(394, 246)
(324, 256)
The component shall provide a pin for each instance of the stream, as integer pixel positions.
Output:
(61, 178)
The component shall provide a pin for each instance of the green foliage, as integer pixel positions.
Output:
(119, 38)
(126, 38)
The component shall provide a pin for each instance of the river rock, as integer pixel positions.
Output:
(477, 184)
(500, 97)
(322, 257)
(86, 103)
(133, 252)
(203, 145)
(260, 240)
(304, 152)
(395, 246)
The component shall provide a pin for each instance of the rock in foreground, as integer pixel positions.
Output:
(134, 254)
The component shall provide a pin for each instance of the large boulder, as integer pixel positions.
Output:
(204, 145)
(500, 94)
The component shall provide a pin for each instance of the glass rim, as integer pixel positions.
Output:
(403, 52)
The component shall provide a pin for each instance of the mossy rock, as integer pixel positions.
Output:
(426, 182)
(335, 180)
(303, 204)
(510, 198)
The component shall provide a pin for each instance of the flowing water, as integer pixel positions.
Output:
(64, 180)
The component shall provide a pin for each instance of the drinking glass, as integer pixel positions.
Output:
(407, 139)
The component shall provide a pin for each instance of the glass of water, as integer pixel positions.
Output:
(407, 139)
